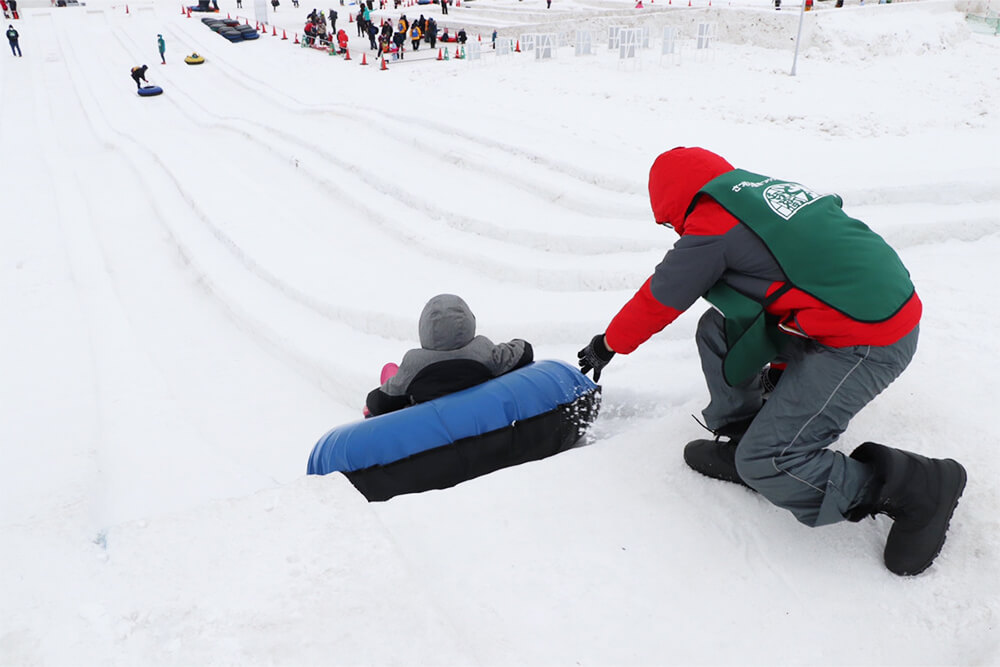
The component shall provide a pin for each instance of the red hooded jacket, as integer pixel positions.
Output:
(715, 246)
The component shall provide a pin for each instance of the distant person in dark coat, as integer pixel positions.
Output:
(12, 37)
(432, 32)
(139, 73)
(399, 39)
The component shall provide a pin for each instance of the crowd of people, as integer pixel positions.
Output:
(386, 37)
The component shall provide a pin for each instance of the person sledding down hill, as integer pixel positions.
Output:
(451, 357)
(793, 279)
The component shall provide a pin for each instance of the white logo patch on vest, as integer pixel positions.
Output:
(786, 199)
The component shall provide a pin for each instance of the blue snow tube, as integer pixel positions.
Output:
(149, 91)
(525, 415)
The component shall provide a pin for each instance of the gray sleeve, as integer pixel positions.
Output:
(412, 362)
(505, 357)
(688, 270)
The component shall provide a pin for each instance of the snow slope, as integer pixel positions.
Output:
(197, 286)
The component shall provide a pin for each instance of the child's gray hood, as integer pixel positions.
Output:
(446, 323)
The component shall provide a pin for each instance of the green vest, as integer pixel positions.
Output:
(824, 252)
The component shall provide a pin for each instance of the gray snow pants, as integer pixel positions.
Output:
(784, 454)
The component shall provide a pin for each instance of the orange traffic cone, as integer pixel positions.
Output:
(283, 35)
(480, 37)
(297, 38)
(364, 58)
(350, 18)
(517, 47)
(274, 31)
(189, 12)
(440, 55)
(347, 54)
(183, 10)
(384, 67)
(126, 9)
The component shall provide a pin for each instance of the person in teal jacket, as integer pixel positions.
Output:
(163, 48)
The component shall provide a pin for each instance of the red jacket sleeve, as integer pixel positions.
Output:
(638, 319)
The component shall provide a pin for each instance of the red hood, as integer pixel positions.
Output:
(675, 178)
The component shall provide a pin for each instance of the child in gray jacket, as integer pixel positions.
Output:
(451, 357)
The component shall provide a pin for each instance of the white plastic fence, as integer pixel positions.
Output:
(584, 45)
(628, 43)
(613, 32)
(669, 41)
(545, 45)
(706, 35)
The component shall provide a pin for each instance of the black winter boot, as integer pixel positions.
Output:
(718, 459)
(920, 494)
(713, 459)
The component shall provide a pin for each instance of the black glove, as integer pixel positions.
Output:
(595, 356)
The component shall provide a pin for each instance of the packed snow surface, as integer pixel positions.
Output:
(199, 285)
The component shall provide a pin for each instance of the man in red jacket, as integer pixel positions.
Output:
(797, 284)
